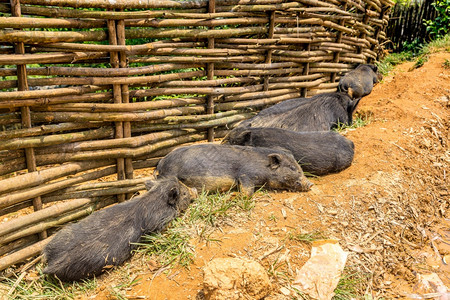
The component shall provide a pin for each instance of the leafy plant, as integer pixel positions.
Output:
(440, 26)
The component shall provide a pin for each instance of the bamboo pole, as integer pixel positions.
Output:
(123, 4)
(115, 15)
(254, 103)
(123, 107)
(94, 193)
(113, 116)
(20, 196)
(187, 59)
(22, 254)
(197, 91)
(131, 142)
(44, 141)
(100, 72)
(110, 80)
(85, 210)
(4, 96)
(117, 97)
(18, 22)
(22, 84)
(36, 37)
(46, 129)
(120, 28)
(134, 152)
(36, 217)
(258, 95)
(200, 125)
(18, 244)
(32, 179)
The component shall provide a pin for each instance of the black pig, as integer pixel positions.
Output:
(321, 112)
(318, 153)
(359, 81)
(220, 167)
(106, 237)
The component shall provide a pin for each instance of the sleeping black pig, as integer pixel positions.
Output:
(318, 153)
(221, 167)
(106, 237)
(321, 112)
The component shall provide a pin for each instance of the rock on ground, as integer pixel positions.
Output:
(235, 278)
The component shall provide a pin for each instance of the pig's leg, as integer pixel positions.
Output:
(246, 186)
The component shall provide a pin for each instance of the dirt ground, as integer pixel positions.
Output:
(389, 209)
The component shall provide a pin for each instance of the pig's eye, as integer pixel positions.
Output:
(293, 168)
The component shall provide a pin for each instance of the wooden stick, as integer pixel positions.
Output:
(37, 178)
(22, 254)
(45, 129)
(17, 197)
(43, 141)
(124, 4)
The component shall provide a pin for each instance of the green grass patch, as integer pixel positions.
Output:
(44, 286)
(308, 237)
(419, 53)
(360, 119)
(205, 214)
(352, 285)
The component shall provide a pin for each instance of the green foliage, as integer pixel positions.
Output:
(440, 26)
(414, 47)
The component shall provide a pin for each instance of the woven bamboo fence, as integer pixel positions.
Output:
(93, 90)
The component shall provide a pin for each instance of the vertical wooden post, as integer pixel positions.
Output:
(22, 83)
(117, 96)
(210, 75)
(269, 52)
(125, 97)
(338, 40)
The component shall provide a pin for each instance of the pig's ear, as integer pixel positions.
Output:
(245, 137)
(374, 68)
(173, 196)
(149, 184)
(275, 160)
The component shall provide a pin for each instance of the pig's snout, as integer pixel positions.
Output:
(193, 193)
(305, 185)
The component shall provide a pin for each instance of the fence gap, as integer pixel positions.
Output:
(269, 51)
(337, 54)
(117, 96)
(210, 74)
(304, 91)
(22, 84)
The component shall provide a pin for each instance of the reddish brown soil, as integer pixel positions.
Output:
(385, 209)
